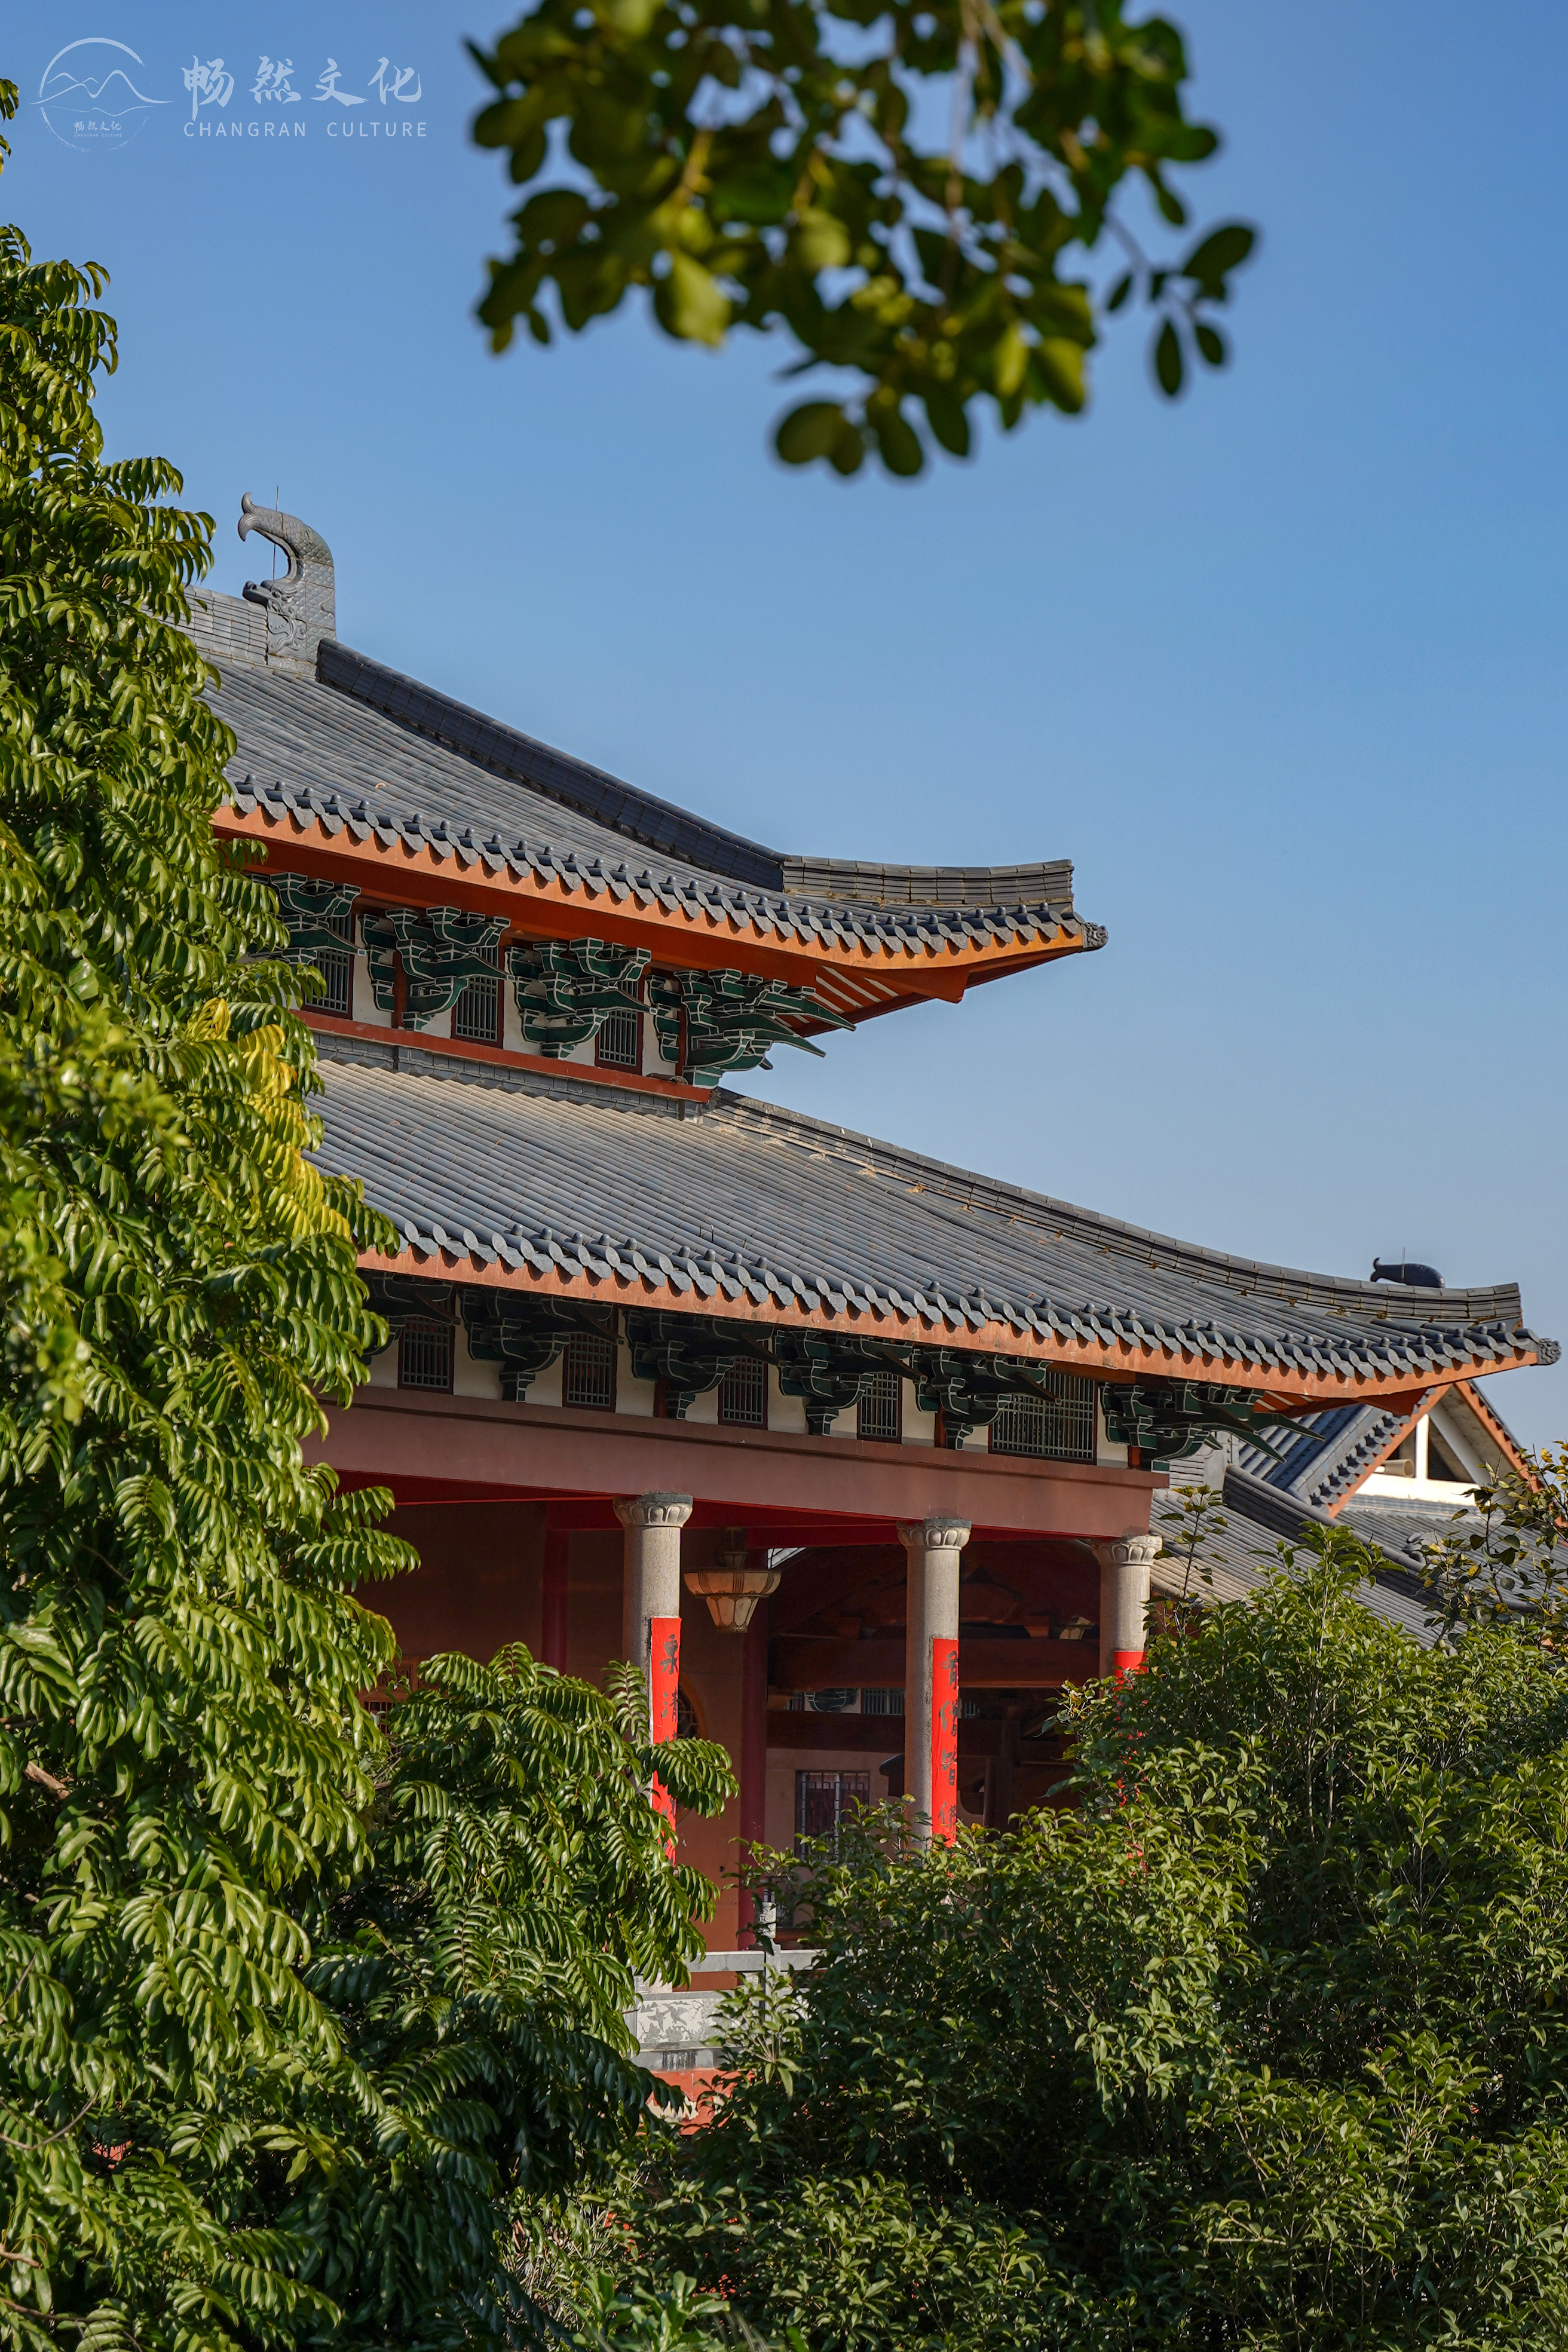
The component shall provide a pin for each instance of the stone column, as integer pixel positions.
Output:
(650, 1617)
(650, 1597)
(1124, 1564)
(930, 1673)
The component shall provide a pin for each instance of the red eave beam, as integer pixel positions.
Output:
(393, 1435)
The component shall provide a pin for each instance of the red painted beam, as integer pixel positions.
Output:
(744, 1475)
(807, 1662)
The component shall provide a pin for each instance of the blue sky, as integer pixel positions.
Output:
(1280, 668)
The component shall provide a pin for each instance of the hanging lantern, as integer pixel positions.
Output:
(733, 1587)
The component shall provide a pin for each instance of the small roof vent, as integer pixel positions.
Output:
(1408, 1273)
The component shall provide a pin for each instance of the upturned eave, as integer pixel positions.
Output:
(858, 976)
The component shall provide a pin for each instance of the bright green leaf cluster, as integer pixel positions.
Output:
(897, 189)
(181, 1739)
(1262, 2042)
(476, 1973)
(282, 2017)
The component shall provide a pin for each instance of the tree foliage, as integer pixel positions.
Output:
(911, 192)
(1262, 2043)
(282, 2015)
(1504, 1560)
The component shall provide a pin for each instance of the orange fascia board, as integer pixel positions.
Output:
(1414, 1405)
(1506, 1445)
(1410, 1414)
(1124, 1360)
(953, 990)
(714, 940)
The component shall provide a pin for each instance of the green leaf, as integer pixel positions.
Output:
(1060, 366)
(847, 454)
(948, 421)
(1168, 364)
(897, 440)
(554, 216)
(759, 192)
(845, 146)
(631, 18)
(692, 304)
(1011, 359)
(528, 155)
(1214, 257)
(1211, 343)
(810, 431)
(820, 241)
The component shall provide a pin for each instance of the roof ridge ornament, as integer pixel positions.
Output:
(301, 606)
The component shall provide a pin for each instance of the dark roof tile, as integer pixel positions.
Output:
(817, 1212)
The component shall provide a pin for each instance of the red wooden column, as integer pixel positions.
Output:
(651, 1611)
(1124, 1564)
(754, 1757)
(932, 1547)
(556, 1597)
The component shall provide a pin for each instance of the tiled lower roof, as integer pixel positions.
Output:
(1326, 1457)
(1404, 1529)
(735, 1205)
(469, 790)
(1238, 1556)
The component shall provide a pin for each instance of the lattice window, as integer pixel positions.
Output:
(588, 1372)
(424, 1353)
(476, 1013)
(336, 966)
(743, 1395)
(618, 1045)
(889, 1701)
(1057, 1425)
(824, 1801)
(881, 1409)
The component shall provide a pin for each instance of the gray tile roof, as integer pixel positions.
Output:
(737, 1201)
(1326, 1455)
(1239, 1556)
(1404, 1529)
(363, 749)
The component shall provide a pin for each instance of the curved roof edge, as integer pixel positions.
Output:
(1380, 1302)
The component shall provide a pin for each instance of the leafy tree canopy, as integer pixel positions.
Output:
(911, 192)
(1504, 1560)
(283, 2014)
(1263, 2043)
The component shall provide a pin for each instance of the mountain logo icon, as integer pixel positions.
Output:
(90, 95)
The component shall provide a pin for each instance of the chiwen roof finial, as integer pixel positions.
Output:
(301, 605)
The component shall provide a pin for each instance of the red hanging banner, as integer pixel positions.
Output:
(664, 1701)
(943, 1738)
(1128, 1662)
